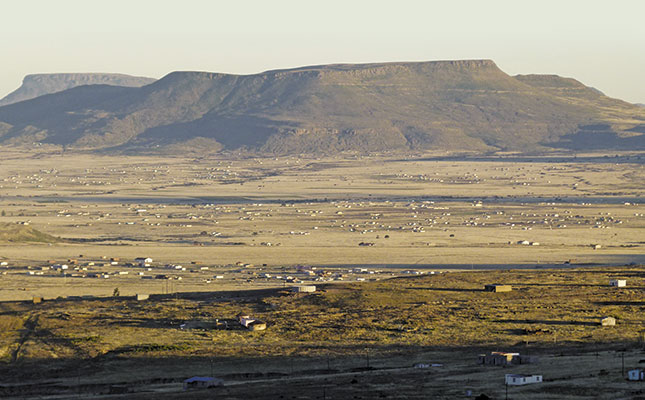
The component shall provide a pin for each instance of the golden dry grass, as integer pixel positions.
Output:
(397, 321)
(316, 212)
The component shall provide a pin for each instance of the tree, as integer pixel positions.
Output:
(116, 292)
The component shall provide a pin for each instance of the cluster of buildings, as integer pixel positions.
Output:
(503, 358)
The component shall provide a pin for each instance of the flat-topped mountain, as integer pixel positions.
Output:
(41, 84)
(451, 105)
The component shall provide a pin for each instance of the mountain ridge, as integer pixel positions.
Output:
(35, 85)
(447, 105)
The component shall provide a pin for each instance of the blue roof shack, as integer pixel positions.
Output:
(202, 382)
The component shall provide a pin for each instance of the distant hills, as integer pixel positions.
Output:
(446, 105)
(41, 84)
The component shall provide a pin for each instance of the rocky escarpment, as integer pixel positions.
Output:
(447, 105)
(41, 84)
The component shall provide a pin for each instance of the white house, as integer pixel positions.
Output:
(245, 320)
(143, 261)
(618, 282)
(637, 374)
(252, 324)
(516, 379)
(304, 289)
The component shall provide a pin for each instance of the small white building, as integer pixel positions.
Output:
(618, 282)
(637, 374)
(304, 289)
(252, 324)
(143, 261)
(516, 379)
(607, 321)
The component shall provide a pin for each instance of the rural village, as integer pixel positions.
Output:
(425, 290)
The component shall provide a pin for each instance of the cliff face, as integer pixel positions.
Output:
(41, 84)
(452, 105)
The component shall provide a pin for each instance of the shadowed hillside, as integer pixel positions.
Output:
(447, 105)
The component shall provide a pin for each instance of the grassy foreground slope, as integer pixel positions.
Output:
(546, 307)
(320, 345)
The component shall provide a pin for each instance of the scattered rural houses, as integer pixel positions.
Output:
(498, 288)
(516, 379)
(618, 282)
(202, 382)
(141, 297)
(503, 358)
(251, 323)
(607, 321)
(637, 374)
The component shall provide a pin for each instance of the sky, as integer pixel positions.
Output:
(600, 43)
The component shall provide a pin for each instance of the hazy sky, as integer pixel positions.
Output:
(601, 43)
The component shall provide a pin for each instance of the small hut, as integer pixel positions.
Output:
(517, 379)
(304, 289)
(637, 374)
(252, 324)
(498, 288)
(607, 321)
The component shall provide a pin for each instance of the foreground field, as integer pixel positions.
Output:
(327, 339)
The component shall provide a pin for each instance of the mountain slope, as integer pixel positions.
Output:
(452, 105)
(40, 84)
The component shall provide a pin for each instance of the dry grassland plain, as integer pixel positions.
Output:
(227, 235)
